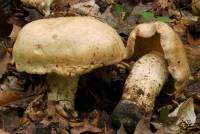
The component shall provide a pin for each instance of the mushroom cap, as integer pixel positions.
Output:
(67, 46)
(158, 36)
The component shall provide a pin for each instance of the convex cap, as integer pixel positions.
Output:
(67, 46)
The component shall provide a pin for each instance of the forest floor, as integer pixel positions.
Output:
(23, 96)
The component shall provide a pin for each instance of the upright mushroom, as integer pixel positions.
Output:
(65, 48)
(150, 72)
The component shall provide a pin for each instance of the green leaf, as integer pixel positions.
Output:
(118, 9)
(147, 14)
(164, 19)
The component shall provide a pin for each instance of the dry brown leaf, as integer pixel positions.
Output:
(36, 108)
(108, 17)
(181, 26)
(8, 96)
(88, 7)
(3, 132)
(192, 41)
(10, 117)
(193, 55)
(4, 60)
(166, 8)
(193, 33)
(5, 57)
(193, 89)
(95, 122)
(164, 3)
(86, 128)
(72, 2)
(184, 114)
(14, 33)
(121, 130)
(143, 127)
(182, 118)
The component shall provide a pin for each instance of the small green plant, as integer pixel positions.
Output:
(164, 19)
(118, 9)
(147, 14)
(150, 14)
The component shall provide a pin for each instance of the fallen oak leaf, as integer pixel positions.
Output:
(86, 128)
(8, 96)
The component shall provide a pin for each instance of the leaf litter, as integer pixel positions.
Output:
(18, 90)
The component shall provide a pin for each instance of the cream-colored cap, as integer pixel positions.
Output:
(67, 46)
(160, 37)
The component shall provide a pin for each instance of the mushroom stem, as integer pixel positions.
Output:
(146, 80)
(142, 86)
(62, 89)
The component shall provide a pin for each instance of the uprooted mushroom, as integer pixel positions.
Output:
(65, 48)
(158, 52)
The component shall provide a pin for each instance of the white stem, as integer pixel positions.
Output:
(62, 89)
(146, 80)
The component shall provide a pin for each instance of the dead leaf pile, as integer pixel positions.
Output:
(102, 88)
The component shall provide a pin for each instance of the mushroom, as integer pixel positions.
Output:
(41, 5)
(65, 48)
(151, 71)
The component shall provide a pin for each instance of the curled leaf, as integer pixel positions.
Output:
(184, 113)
